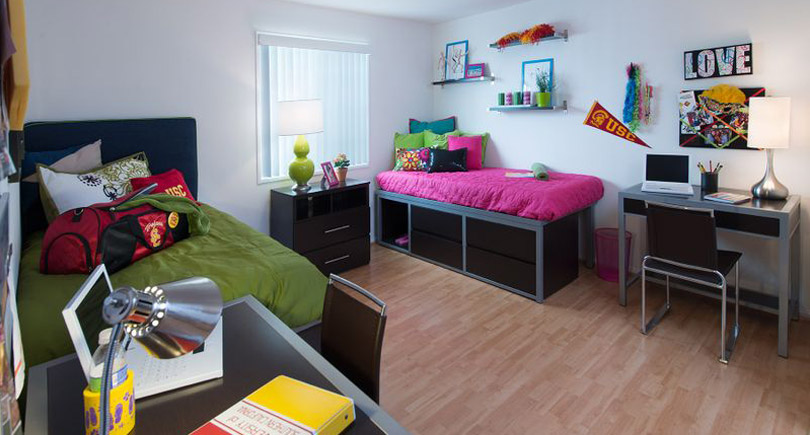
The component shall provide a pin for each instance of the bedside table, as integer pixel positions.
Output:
(329, 226)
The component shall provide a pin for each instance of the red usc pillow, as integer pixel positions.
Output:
(171, 182)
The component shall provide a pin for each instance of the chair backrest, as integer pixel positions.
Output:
(352, 333)
(682, 234)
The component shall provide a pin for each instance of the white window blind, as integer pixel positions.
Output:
(296, 71)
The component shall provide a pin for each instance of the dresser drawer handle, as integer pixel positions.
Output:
(335, 260)
(334, 230)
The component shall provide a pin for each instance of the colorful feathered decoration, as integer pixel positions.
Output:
(508, 39)
(637, 100)
(536, 33)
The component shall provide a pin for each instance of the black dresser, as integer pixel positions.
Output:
(329, 226)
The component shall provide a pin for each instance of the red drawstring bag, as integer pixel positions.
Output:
(80, 239)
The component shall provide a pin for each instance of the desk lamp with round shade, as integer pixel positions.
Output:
(298, 118)
(169, 320)
(769, 128)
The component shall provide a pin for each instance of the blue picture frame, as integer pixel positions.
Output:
(459, 70)
(532, 85)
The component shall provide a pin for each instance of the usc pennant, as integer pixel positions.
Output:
(600, 119)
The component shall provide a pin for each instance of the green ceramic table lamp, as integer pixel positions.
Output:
(298, 118)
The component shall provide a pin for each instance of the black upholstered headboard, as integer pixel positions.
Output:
(168, 143)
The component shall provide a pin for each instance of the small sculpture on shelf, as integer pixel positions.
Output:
(442, 67)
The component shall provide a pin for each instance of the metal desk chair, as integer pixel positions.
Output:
(683, 244)
(352, 334)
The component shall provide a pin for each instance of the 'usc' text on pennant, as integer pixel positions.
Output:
(600, 119)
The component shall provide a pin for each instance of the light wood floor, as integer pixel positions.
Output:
(461, 356)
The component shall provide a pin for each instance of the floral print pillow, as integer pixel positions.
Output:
(62, 191)
(412, 159)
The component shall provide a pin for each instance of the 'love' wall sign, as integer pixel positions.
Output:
(735, 60)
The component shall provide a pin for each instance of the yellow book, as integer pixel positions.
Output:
(284, 406)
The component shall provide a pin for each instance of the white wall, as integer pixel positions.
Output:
(605, 37)
(100, 59)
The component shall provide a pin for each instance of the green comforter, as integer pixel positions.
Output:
(241, 260)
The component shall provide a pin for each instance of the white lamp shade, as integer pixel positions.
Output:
(300, 117)
(769, 122)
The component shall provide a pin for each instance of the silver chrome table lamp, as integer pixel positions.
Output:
(769, 128)
(169, 320)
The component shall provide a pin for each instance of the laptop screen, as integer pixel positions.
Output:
(89, 312)
(668, 168)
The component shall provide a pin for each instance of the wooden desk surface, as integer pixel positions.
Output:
(257, 348)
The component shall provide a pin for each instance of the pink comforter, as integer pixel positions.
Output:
(490, 189)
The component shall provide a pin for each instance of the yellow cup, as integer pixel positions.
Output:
(122, 409)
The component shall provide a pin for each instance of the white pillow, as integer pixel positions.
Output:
(64, 191)
(86, 158)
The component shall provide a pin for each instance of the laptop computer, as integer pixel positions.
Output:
(152, 375)
(667, 173)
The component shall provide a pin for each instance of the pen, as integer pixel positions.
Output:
(710, 166)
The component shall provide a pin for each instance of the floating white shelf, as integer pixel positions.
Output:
(525, 107)
(477, 79)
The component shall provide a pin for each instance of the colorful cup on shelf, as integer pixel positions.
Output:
(517, 97)
(501, 99)
(527, 98)
(508, 99)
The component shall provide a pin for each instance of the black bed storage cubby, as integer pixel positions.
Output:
(529, 257)
(393, 217)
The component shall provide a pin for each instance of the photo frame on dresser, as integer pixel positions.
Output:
(329, 174)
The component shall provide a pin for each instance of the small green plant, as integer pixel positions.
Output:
(543, 79)
(341, 161)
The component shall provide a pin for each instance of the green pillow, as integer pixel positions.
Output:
(409, 141)
(433, 140)
(484, 141)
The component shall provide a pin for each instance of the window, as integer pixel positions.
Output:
(291, 68)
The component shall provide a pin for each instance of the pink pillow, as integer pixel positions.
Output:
(473, 145)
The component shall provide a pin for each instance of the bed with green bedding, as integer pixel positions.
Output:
(241, 260)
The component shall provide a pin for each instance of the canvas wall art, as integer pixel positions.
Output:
(734, 60)
(716, 118)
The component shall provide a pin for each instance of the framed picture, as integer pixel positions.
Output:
(329, 174)
(456, 60)
(474, 71)
(716, 118)
(732, 60)
(534, 69)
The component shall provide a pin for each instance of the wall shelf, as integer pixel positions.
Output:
(474, 80)
(557, 36)
(524, 107)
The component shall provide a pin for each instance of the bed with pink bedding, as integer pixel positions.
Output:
(490, 189)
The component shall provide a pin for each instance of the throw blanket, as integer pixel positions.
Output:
(198, 222)
(490, 189)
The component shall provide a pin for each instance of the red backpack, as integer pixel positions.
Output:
(80, 239)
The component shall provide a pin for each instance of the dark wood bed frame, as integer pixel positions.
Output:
(525, 256)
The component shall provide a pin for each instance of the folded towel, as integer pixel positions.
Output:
(198, 221)
(540, 172)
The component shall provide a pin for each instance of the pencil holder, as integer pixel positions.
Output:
(708, 182)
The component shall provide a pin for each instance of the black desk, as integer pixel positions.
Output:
(776, 220)
(257, 348)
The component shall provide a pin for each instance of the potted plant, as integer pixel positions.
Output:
(545, 86)
(341, 163)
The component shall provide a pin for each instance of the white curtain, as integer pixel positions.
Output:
(338, 78)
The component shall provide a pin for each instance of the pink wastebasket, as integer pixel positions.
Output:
(607, 253)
